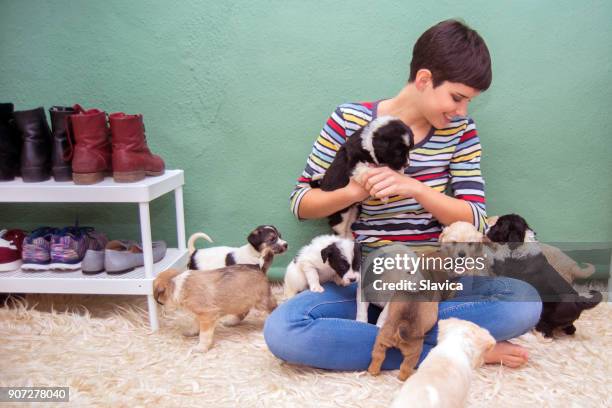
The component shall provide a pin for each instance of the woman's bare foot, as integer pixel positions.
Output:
(508, 354)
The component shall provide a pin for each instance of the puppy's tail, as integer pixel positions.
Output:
(582, 273)
(589, 303)
(408, 332)
(194, 238)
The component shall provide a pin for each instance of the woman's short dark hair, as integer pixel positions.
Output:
(453, 52)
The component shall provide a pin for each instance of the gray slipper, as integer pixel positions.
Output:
(124, 256)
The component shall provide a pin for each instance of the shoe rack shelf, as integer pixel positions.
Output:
(136, 282)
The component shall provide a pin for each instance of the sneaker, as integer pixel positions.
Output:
(11, 242)
(68, 247)
(36, 251)
(93, 262)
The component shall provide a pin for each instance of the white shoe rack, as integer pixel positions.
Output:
(136, 282)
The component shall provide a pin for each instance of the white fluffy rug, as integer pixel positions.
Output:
(101, 347)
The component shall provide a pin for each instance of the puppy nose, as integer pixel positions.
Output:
(352, 280)
(461, 254)
(285, 245)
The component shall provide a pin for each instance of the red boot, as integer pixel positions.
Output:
(132, 159)
(92, 151)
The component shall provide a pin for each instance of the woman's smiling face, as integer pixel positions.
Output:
(448, 100)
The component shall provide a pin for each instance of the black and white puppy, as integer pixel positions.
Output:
(517, 259)
(249, 254)
(328, 258)
(386, 141)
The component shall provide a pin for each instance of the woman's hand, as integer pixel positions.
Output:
(383, 182)
(356, 191)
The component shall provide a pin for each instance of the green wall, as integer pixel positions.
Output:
(235, 93)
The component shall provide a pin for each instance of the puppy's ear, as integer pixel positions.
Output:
(254, 238)
(327, 252)
(442, 234)
(356, 257)
(159, 291)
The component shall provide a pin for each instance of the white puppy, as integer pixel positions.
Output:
(443, 378)
(248, 254)
(328, 258)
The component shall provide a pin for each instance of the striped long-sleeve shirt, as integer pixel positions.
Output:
(447, 160)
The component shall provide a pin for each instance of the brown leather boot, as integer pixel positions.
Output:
(60, 164)
(36, 148)
(92, 151)
(132, 159)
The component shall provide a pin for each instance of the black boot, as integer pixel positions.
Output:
(36, 148)
(10, 144)
(60, 163)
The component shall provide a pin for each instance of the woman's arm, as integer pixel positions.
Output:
(317, 203)
(384, 182)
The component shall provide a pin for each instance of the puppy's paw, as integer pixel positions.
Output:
(317, 288)
(373, 370)
(191, 332)
(404, 374)
(201, 348)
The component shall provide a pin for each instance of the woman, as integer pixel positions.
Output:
(450, 66)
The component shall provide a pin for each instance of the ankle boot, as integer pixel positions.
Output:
(36, 148)
(132, 159)
(60, 163)
(10, 144)
(91, 160)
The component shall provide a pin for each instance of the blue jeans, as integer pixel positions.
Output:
(320, 330)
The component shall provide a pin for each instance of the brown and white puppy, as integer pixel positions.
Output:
(405, 328)
(209, 295)
(249, 254)
(443, 378)
(566, 266)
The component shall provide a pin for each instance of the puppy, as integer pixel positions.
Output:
(404, 328)
(248, 254)
(443, 378)
(431, 268)
(328, 258)
(366, 287)
(514, 258)
(462, 240)
(385, 141)
(566, 266)
(210, 295)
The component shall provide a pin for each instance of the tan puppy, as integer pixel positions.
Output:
(210, 295)
(563, 264)
(443, 378)
(460, 240)
(405, 328)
